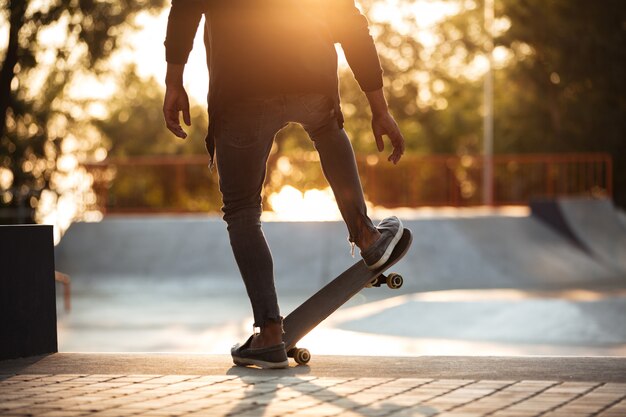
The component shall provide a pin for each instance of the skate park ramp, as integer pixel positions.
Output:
(193, 252)
(594, 225)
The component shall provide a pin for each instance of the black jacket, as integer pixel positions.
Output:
(268, 47)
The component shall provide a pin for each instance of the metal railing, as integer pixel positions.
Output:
(183, 184)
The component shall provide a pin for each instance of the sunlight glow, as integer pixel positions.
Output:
(290, 204)
(428, 13)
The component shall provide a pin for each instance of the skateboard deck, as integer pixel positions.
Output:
(335, 294)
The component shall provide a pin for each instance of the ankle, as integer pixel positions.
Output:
(270, 334)
(367, 238)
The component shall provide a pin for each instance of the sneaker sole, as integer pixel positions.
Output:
(260, 363)
(389, 249)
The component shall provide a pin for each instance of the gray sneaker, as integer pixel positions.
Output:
(391, 231)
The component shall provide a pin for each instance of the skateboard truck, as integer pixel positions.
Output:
(393, 281)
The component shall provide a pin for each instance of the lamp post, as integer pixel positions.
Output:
(488, 107)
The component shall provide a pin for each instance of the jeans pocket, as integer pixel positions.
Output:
(241, 123)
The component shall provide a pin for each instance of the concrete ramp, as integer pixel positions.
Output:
(185, 253)
(592, 224)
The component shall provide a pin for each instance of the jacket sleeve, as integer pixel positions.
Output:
(182, 24)
(350, 28)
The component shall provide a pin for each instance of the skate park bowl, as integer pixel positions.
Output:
(593, 225)
(488, 284)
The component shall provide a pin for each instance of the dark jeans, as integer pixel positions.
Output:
(244, 135)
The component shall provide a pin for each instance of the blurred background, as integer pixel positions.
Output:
(501, 102)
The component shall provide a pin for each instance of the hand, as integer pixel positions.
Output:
(176, 100)
(384, 124)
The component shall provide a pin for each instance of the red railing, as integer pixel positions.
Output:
(180, 184)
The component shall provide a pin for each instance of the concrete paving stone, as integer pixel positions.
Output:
(523, 389)
(348, 413)
(12, 405)
(476, 409)
(58, 378)
(134, 378)
(600, 399)
(28, 377)
(369, 381)
(409, 382)
(430, 390)
(603, 396)
(116, 392)
(323, 395)
(418, 411)
(108, 385)
(364, 399)
(470, 392)
(387, 389)
(186, 407)
(581, 410)
(170, 379)
(32, 410)
(91, 407)
(116, 412)
(568, 390)
(11, 415)
(95, 378)
(60, 387)
(286, 396)
(10, 396)
(613, 387)
(337, 389)
(553, 397)
(490, 385)
(343, 389)
(507, 413)
(348, 403)
(611, 413)
(402, 401)
(61, 413)
(474, 390)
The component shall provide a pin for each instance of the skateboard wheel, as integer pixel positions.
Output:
(302, 356)
(394, 281)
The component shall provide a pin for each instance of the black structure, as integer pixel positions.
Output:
(549, 212)
(27, 291)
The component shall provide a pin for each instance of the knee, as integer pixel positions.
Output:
(239, 217)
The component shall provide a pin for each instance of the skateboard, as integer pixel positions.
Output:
(335, 294)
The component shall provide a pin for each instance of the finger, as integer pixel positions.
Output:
(397, 141)
(171, 116)
(173, 125)
(380, 144)
(186, 116)
(177, 131)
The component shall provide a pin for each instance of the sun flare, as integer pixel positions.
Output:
(291, 204)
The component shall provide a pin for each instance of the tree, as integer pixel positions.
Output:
(567, 87)
(44, 131)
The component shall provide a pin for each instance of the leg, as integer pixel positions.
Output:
(244, 136)
(339, 167)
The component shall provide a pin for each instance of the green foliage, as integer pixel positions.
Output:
(43, 130)
(134, 124)
(568, 93)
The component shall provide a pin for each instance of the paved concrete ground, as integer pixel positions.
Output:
(207, 385)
